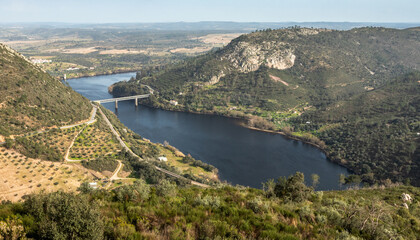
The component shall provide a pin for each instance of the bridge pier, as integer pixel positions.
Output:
(116, 104)
(137, 102)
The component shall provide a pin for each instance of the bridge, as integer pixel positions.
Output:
(136, 97)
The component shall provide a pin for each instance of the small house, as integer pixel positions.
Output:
(93, 185)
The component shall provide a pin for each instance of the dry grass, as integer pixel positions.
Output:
(80, 50)
(176, 161)
(122, 51)
(191, 50)
(20, 175)
(219, 38)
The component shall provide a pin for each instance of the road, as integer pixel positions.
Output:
(122, 143)
(91, 120)
(88, 121)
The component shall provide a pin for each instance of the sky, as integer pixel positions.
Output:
(125, 11)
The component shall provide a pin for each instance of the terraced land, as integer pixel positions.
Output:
(20, 175)
(94, 141)
(57, 139)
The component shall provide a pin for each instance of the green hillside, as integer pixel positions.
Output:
(285, 210)
(293, 80)
(30, 99)
(150, 204)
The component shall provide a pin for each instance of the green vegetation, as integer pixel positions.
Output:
(101, 164)
(142, 211)
(381, 123)
(35, 150)
(96, 140)
(30, 99)
(352, 93)
(374, 134)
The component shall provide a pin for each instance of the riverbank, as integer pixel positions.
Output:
(243, 120)
(97, 74)
(242, 156)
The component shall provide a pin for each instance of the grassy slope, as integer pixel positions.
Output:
(31, 99)
(165, 212)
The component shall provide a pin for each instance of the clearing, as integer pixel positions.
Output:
(277, 79)
(223, 38)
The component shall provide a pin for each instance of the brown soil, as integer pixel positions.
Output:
(191, 50)
(20, 175)
(219, 38)
(277, 79)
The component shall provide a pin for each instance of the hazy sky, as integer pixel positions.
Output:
(106, 11)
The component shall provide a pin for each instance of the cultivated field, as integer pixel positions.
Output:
(20, 175)
(57, 139)
(94, 141)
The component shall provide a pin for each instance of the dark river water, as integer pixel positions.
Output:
(243, 156)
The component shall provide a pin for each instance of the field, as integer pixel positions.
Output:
(178, 163)
(86, 52)
(20, 175)
(57, 139)
(94, 141)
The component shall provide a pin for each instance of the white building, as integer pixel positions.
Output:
(163, 159)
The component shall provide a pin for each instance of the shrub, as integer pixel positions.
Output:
(62, 215)
(293, 188)
(166, 189)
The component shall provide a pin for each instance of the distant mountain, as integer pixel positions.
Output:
(299, 79)
(30, 99)
(214, 25)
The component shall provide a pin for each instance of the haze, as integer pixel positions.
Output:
(107, 11)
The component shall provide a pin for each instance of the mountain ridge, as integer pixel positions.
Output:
(329, 67)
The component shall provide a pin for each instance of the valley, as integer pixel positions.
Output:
(73, 169)
(321, 86)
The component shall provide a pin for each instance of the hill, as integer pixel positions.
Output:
(31, 100)
(278, 78)
(53, 139)
(149, 203)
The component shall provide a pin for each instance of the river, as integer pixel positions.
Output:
(243, 156)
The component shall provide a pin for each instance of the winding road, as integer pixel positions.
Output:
(122, 143)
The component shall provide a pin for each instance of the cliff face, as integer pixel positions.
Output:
(248, 57)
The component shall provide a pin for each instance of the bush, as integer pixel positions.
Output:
(293, 188)
(166, 189)
(62, 215)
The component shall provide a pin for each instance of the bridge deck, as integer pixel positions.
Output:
(122, 98)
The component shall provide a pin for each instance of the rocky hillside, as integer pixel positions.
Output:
(30, 99)
(279, 79)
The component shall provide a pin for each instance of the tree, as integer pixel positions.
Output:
(315, 180)
(166, 189)
(12, 229)
(85, 188)
(293, 188)
(342, 179)
(62, 215)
